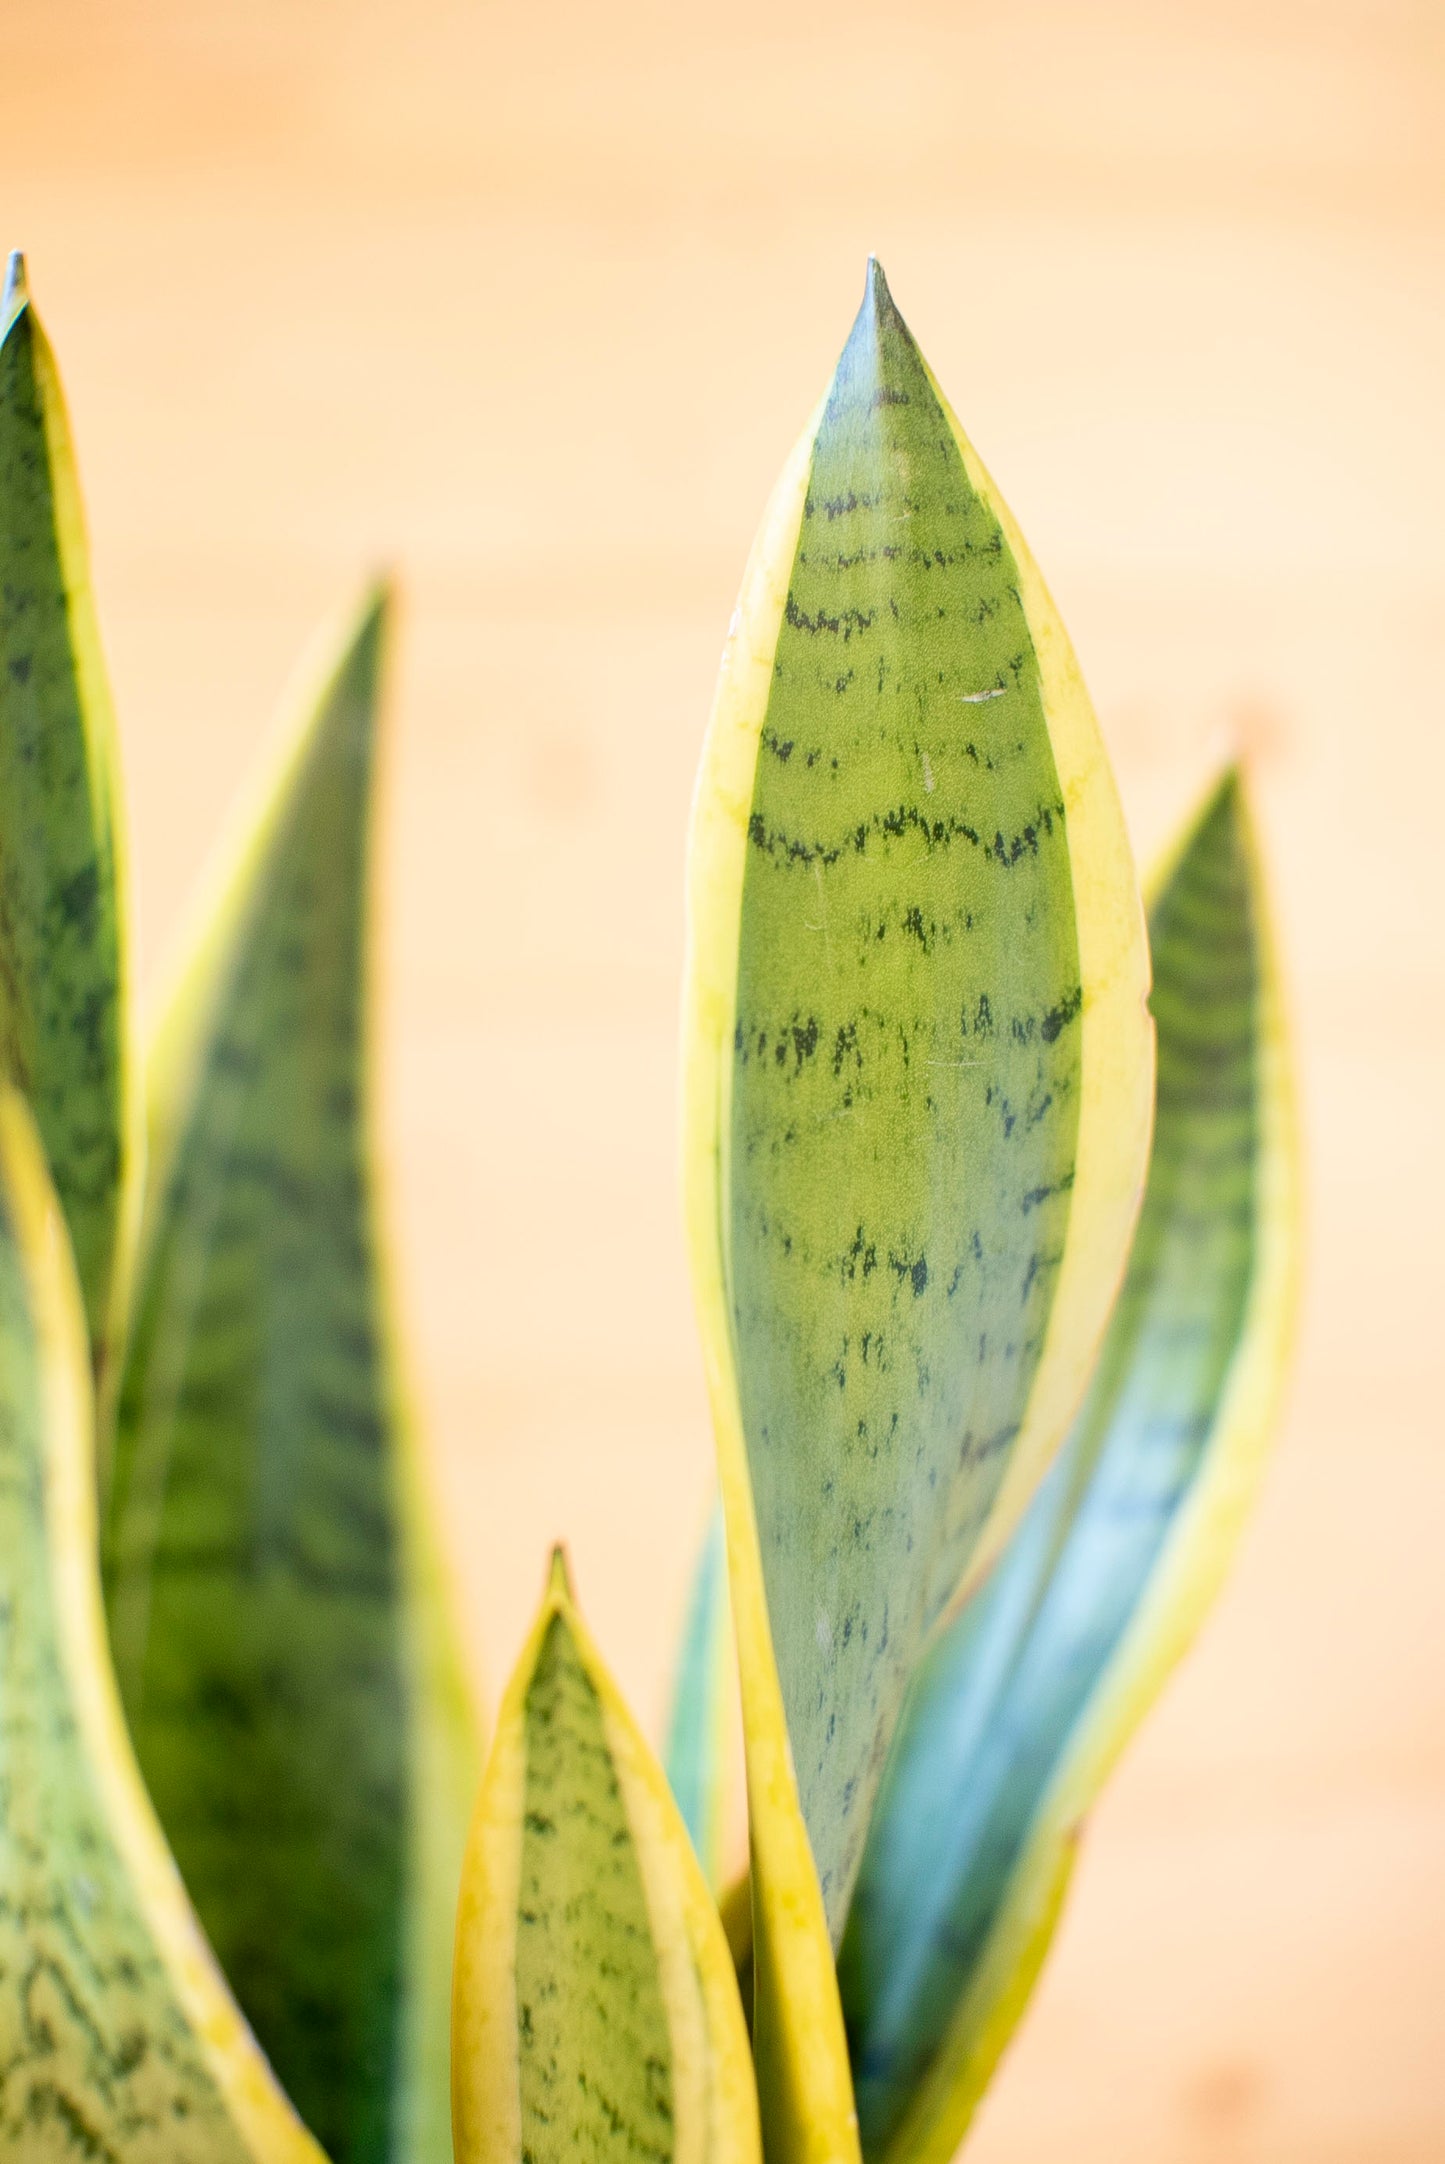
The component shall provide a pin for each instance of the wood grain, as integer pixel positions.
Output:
(532, 303)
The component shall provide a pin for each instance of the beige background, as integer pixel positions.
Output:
(531, 301)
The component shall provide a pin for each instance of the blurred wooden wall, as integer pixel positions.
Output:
(530, 301)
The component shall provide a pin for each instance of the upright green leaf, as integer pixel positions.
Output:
(274, 1609)
(595, 2015)
(118, 2039)
(917, 1084)
(697, 1757)
(63, 961)
(1035, 1688)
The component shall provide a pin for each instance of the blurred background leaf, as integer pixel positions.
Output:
(276, 1612)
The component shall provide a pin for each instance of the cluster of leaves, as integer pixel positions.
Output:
(994, 1319)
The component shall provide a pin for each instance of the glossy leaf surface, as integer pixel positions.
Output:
(63, 1025)
(697, 1731)
(1033, 1690)
(278, 1631)
(120, 2041)
(917, 1094)
(596, 2014)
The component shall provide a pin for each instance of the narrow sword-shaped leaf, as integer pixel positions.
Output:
(917, 1080)
(64, 1028)
(596, 2014)
(1035, 1688)
(118, 2038)
(274, 1604)
(697, 1757)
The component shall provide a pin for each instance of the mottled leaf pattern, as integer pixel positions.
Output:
(917, 1094)
(596, 2015)
(697, 1759)
(1035, 1687)
(278, 1640)
(62, 932)
(118, 2039)
(593, 2052)
(905, 1089)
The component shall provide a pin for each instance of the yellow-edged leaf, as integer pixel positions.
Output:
(917, 1080)
(1035, 1688)
(65, 1033)
(281, 1631)
(120, 2039)
(595, 2013)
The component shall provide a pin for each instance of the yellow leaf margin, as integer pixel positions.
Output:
(263, 2117)
(714, 2096)
(1185, 1582)
(799, 2040)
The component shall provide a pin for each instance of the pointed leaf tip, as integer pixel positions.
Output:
(879, 342)
(378, 597)
(370, 625)
(17, 288)
(559, 1577)
(1227, 788)
(878, 302)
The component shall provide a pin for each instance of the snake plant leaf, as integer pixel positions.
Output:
(917, 1086)
(697, 1733)
(118, 2037)
(274, 1603)
(595, 2011)
(64, 1036)
(1034, 1689)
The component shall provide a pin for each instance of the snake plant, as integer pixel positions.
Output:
(994, 1307)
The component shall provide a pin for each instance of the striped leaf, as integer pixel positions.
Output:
(697, 1734)
(1035, 1688)
(120, 2040)
(917, 1088)
(278, 1626)
(595, 2012)
(63, 960)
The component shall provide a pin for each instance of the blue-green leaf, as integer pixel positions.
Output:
(275, 1611)
(697, 1732)
(1034, 1689)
